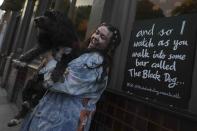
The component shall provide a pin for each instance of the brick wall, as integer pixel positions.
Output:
(118, 113)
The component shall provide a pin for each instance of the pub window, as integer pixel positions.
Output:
(148, 9)
(154, 41)
(80, 16)
(78, 11)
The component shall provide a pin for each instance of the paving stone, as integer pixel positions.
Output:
(7, 112)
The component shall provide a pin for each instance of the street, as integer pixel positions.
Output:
(7, 111)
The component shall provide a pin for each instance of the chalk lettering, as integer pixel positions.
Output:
(163, 43)
(159, 55)
(163, 32)
(177, 57)
(134, 73)
(143, 54)
(183, 27)
(147, 74)
(146, 32)
(129, 84)
(170, 80)
(141, 63)
(177, 43)
(157, 92)
(144, 43)
(162, 65)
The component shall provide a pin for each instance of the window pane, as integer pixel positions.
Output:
(147, 9)
(82, 13)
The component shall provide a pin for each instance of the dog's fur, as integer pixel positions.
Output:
(54, 30)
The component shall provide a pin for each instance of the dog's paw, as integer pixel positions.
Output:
(18, 64)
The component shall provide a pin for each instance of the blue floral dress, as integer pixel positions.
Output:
(70, 105)
(48, 68)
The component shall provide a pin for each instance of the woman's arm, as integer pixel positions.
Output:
(81, 77)
(48, 67)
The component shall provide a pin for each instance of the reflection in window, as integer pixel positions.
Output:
(82, 13)
(147, 9)
(77, 10)
(187, 6)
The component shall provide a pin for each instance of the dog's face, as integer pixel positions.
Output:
(47, 22)
(55, 29)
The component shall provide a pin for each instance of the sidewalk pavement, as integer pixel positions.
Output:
(7, 112)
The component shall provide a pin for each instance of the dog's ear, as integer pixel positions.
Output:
(51, 14)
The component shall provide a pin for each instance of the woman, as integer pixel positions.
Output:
(70, 104)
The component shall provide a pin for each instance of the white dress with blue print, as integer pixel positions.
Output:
(69, 105)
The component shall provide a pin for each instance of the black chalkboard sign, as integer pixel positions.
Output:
(160, 59)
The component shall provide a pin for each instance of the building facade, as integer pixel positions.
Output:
(118, 109)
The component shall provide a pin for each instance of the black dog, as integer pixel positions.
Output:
(54, 30)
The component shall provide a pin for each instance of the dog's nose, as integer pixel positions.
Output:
(39, 20)
(36, 20)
